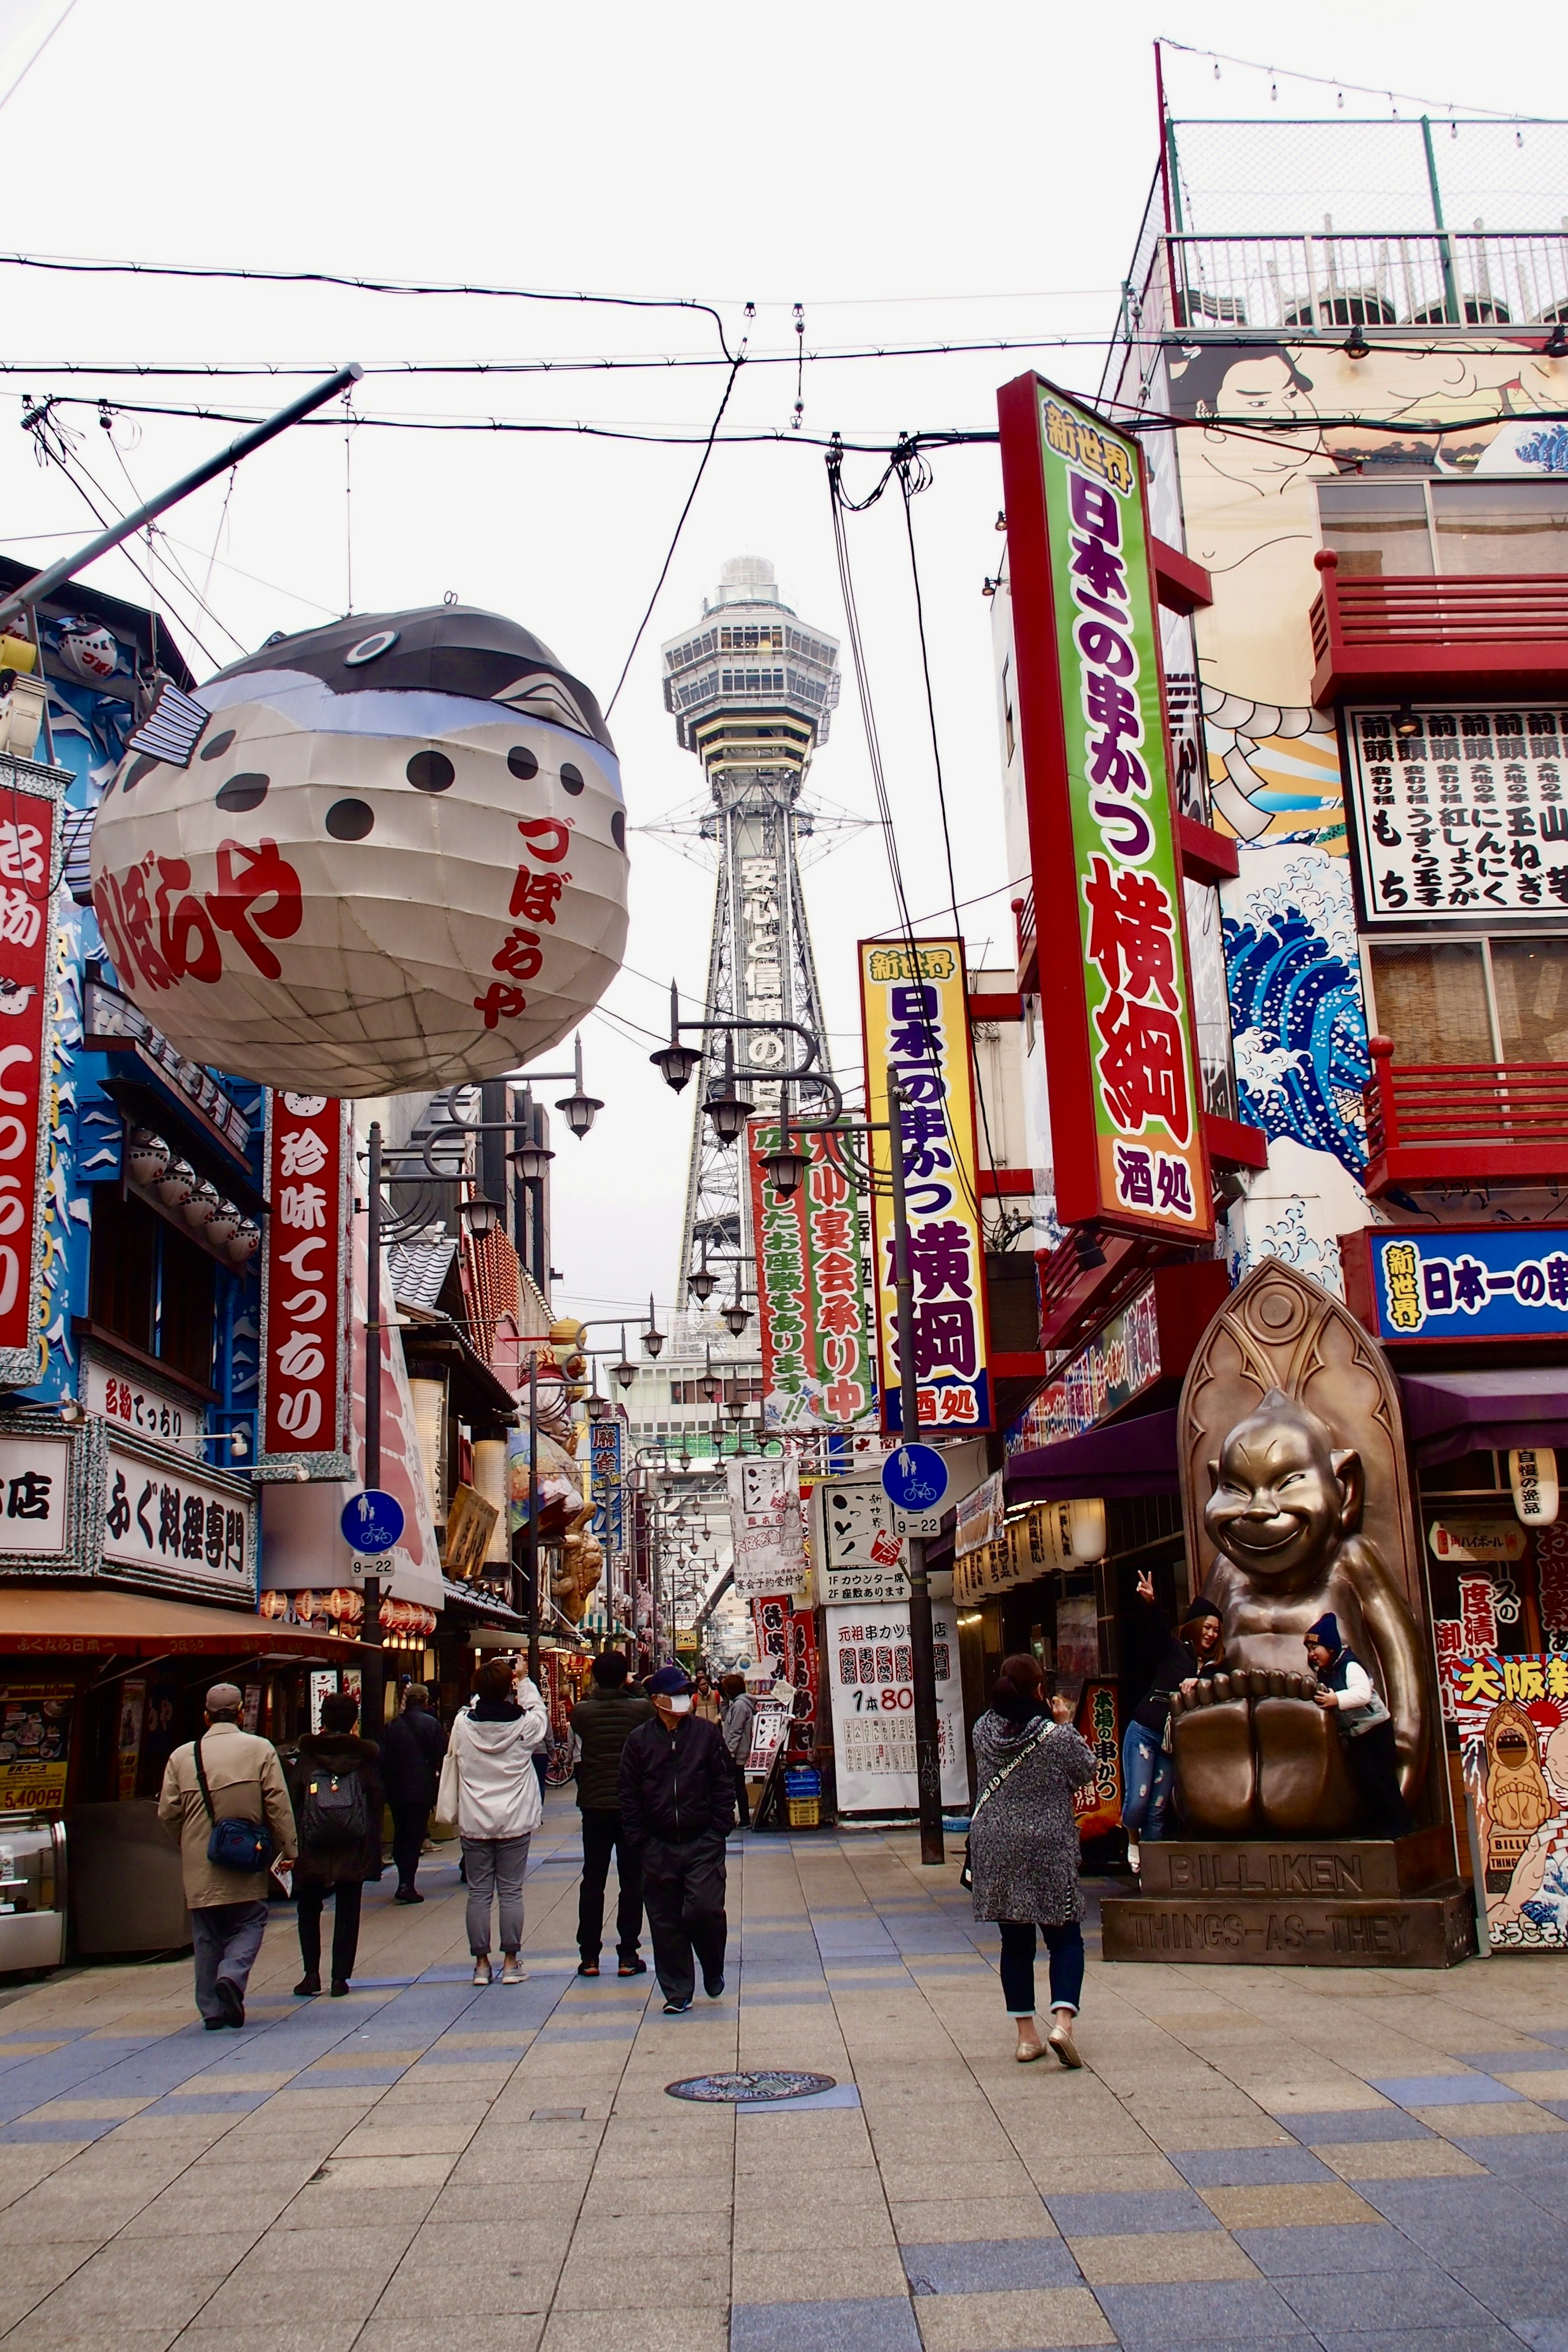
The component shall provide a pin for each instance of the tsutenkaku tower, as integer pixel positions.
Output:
(751, 692)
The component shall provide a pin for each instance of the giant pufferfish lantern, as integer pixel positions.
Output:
(373, 858)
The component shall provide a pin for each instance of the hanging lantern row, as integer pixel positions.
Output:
(153, 1163)
(346, 1606)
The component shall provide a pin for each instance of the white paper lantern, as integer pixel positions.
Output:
(384, 856)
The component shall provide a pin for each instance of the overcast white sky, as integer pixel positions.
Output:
(909, 175)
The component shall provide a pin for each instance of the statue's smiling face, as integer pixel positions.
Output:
(1277, 1503)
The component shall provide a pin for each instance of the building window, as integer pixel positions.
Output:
(1382, 529)
(1459, 1000)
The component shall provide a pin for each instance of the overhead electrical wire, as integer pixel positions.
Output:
(1336, 82)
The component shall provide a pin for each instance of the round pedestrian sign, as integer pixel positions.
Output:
(373, 1521)
(915, 1478)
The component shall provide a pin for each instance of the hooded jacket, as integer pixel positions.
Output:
(678, 1786)
(498, 1788)
(339, 1752)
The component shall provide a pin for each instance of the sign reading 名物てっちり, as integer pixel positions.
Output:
(29, 818)
(1461, 815)
(305, 1286)
(1475, 1282)
(914, 1015)
(818, 1367)
(1115, 988)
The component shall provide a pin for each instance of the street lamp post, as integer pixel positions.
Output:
(372, 1679)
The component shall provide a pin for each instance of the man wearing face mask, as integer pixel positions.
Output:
(676, 1793)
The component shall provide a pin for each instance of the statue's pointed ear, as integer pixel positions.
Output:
(1213, 1477)
(1348, 1470)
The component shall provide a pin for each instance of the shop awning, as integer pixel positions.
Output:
(1125, 1458)
(1450, 1414)
(98, 1620)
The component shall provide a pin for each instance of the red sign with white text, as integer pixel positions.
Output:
(28, 825)
(304, 1290)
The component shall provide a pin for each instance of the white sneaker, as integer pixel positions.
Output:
(512, 1970)
(1133, 1862)
(482, 1968)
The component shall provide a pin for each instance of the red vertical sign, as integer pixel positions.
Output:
(304, 1283)
(28, 820)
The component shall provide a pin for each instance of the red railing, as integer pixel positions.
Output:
(1498, 632)
(1024, 916)
(1469, 1123)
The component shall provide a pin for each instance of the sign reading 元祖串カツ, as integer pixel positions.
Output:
(1115, 989)
(1448, 1282)
(1461, 815)
(304, 1287)
(916, 1023)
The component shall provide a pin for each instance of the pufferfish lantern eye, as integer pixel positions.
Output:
(369, 647)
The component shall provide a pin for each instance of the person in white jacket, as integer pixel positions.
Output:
(499, 1807)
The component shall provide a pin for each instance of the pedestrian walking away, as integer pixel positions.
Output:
(337, 1792)
(225, 1797)
(1023, 1851)
(678, 1800)
(1366, 1727)
(1148, 1774)
(736, 1730)
(490, 1788)
(602, 1722)
(412, 1748)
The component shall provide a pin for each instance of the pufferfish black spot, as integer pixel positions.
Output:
(218, 745)
(618, 827)
(521, 762)
(430, 772)
(242, 792)
(571, 778)
(349, 820)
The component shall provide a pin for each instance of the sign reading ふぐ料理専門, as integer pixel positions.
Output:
(1115, 990)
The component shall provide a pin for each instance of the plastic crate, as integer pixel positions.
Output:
(804, 1813)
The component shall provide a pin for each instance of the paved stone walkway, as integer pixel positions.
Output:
(1252, 2157)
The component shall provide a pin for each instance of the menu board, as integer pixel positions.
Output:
(870, 1669)
(1459, 817)
(35, 1745)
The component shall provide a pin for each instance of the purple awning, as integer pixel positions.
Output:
(1450, 1414)
(1126, 1457)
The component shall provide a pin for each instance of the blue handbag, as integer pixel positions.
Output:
(235, 1844)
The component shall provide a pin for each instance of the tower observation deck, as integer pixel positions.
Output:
(751, 690)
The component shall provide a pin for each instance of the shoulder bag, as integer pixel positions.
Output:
(235, 1843)
(966, 1875)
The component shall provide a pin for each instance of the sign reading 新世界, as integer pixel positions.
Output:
(305, 1287)
(27, 879)
(1460, 815)
(914, 1015)
(1116, 1000)
(1448, 1282)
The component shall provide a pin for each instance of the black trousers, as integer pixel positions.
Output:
(409, 1822)
(602, 1837)
(742, 1800)
(346, 1896)
(1373, 1760)
(683, 1887)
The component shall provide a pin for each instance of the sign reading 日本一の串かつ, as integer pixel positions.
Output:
(1115, 989)
(304, 1287)
(914, 1015)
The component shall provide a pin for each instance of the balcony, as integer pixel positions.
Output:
(1497, 632)
(1464, 1123)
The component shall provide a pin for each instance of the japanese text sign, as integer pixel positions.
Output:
(1115, 990)
(1512, 1715)
(818, 1370)
(769, 1543)
(1475, 1282)
(914, 1015)
(177, 1522)
(606, 1440)
(1462, 818)
(28, 820)
(871, 1665)
(305, 1285)
(856, 1550)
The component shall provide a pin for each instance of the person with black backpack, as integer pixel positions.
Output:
(336, 1788)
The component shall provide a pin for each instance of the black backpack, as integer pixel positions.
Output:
(332, 1811)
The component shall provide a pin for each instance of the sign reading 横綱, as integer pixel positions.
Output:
(1115, 989)
(818, 1366)
(305, 1287)
(915, 1016)
(29, 817)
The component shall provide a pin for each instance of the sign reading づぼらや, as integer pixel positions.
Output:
(1116, 999)
(29, 819)
(914, 1015)
(305, 1288)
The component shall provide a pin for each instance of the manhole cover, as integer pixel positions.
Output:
(749, 2090)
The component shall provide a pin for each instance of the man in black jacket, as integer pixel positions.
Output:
(602, 1722)
(678, 1802)
(411, 1748)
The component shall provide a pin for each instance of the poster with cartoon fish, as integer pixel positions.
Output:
(1513, 1719)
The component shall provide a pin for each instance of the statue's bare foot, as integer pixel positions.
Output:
(1211, 1740)
(1304, 1787)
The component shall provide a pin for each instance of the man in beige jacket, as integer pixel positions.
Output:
(228, 1907)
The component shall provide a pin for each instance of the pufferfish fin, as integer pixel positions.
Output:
(544, 695)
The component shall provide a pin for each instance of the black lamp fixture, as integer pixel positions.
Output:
(736, 1316)
(734, 1403)
(581, 1110)
(1087, 1248)
(702, 1285)
(483, 1217)
(653, 1337)
(595, 1405)
(1406, 722)
(784, 1167)
(625, 1371)
(532, 1160)
(727, 1107)
(711, 1383)
(1355, 345)
(675, 1062)
(1556, 346)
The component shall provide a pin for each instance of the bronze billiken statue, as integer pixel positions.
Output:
(1256, 1754)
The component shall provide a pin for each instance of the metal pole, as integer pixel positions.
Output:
(44, 583)
(530, 1555)
(373, 1704)
(1445, 250)
(922, 1644)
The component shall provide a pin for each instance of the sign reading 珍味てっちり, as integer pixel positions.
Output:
(29, 818)
(305, 1287)
(1115, 988)
(818, 1362)
(915, 1016)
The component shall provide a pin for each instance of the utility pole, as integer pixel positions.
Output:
(922, 1644)
(373, 1704)
(530, 1537)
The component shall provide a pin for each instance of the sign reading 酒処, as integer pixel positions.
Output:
(1115, 988)
(818, 1367)
(914, 1015)
(29, 817)
(305, 1288)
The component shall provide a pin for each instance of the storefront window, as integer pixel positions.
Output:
(1530, 978)
(1430, 997)
(1376, 528)
(1409, 530)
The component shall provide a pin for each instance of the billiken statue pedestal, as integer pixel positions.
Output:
(1296, 1496)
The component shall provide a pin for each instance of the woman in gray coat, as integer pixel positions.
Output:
(1023, 1848)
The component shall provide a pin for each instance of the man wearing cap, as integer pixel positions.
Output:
(228, 1907)
(677, 1790)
